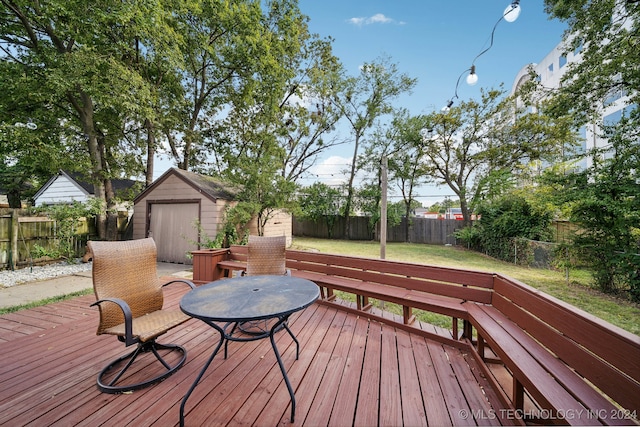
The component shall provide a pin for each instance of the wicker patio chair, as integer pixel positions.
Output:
(265, 256)
(129, 298)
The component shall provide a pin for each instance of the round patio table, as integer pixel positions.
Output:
(226, 303)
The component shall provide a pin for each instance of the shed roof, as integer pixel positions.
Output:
(210, 186)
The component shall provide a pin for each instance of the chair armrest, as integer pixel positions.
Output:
(128, 318)
(188, 282)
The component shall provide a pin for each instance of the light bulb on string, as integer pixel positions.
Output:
(472, 78)
(512, 11)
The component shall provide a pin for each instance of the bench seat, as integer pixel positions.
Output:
(558, 389)
(574, 367)
(366, 289)
(229, 265)
(399, 295)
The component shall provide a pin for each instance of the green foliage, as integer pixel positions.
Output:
(476, 148)
(67, 217)
(604, 202)
(504, 219)
(364, 100)
(320, 202)
(607, 34)
(234, 230)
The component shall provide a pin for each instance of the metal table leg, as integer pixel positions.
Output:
(281, 364)
(204, 368)
(225, 338)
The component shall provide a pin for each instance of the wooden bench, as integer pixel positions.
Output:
(561, 357)
(412, 286)
(568, 366)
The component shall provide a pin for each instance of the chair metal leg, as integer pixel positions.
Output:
(111, 386)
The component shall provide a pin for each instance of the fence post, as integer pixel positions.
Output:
(13, 251)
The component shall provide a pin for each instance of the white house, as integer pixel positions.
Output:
(66, 187)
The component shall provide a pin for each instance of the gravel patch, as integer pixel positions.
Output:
(10, 278)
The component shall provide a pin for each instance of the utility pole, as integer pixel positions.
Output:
(383, 208)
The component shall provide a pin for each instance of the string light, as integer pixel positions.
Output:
(510, 14)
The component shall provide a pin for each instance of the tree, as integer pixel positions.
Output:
(402, 143)
(407, 166)
(504, 218)
(607, 33)
(603, 200)
(320, 202)
(225, 48)
(465, 145)
(306, 113)
(75, 64)
(364, 100)
(269, 137)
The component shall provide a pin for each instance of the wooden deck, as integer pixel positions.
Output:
(351, 371)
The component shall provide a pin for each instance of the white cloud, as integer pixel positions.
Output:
(378, 18)
(331, 171)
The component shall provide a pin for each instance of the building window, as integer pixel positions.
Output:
(577, 50)
(613, 97)
(550, 68)
(563, 60)
(613, 118)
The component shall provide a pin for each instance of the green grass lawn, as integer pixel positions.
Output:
(576, 291)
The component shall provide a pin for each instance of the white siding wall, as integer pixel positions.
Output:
(61, 190)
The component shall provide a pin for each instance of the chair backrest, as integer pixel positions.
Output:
(125, 270)
(266, 255)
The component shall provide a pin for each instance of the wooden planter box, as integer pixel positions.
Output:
(204, 264)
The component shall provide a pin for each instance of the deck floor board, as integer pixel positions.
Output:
(351, 371)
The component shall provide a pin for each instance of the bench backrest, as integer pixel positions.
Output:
(606, 355)
(238, 253)
(463, 284)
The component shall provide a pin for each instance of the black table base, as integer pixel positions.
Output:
(225, 337)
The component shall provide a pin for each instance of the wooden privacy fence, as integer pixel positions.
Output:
(421, 230)
(20, 233)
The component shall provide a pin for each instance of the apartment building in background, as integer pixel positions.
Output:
(549, 73)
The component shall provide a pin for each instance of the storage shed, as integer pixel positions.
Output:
(170, 207)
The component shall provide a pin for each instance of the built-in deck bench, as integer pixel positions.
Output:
(563, 358)
(567, 367)
(412, 286)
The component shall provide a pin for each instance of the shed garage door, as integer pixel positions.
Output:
(172, 227)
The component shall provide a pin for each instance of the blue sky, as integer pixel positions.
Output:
(433, 41)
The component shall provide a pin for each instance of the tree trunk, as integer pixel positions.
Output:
(84, 106)
(151, 151)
